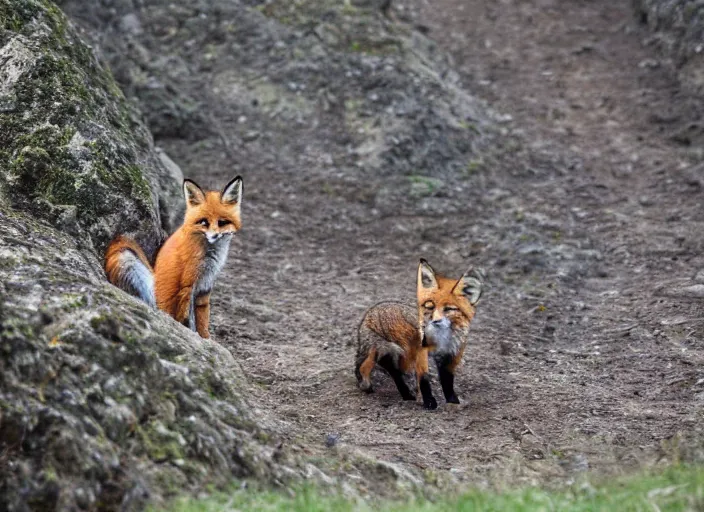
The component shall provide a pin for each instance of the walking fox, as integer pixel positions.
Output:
(398, 337)
(188, 263)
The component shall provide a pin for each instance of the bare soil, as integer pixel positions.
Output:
(586, 351)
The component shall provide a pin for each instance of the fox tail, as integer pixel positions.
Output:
(128, 268)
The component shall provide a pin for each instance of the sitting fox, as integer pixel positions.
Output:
(398, 337)
(187, 264)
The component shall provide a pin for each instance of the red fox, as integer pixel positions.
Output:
(188, 263)
(398, 337)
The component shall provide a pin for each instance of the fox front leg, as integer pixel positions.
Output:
(426, 391)
(185, 310)
(447, 364)
(202, 315)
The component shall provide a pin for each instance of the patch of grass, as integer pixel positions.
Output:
(474, 167)
(424, 185)
(677, 488)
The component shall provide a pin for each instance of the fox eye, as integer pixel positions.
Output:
(203, 222)
(429, 305)
(223, 222)
(449, 309)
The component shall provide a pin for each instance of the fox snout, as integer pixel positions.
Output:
(213, 237)
(439, 335)
(440, 323)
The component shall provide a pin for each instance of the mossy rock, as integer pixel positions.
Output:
(68, 137)
(103, 400)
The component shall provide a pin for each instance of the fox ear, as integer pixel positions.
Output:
(232, 193)
(193, 193)
(426, 276)
(470, 285)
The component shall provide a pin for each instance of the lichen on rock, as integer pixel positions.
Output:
(69, 139)
(104, 403)
(103, 399)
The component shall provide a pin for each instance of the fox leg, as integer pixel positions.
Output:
(363, 370)
(185, 308)
(447, 378)
(447, 364)
(202, 314)
(391, 366)
(426, 392)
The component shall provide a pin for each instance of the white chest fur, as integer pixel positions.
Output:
(214, 261)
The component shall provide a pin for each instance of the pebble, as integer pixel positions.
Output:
(649, 64)
(695, 291)
(251, 136)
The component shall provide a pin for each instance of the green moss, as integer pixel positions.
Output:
(73, 300)
(15, 16)
(64, 97)
(159, 443)
(16, 328)
(359, 30)
(474, 166)
(375, 47)
(424, 185)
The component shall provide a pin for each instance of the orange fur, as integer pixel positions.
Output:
(444, 296)
(400, 339)
(179, 262)
(112, 254)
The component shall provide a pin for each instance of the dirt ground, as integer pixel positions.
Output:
(586, 352)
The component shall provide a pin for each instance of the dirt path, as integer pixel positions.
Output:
(586, 352)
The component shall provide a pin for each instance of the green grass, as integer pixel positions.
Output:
(675, 489)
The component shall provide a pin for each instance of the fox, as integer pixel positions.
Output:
(399, 337)
(188, 263)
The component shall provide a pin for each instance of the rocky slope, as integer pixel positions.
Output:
(679, 32)
(361, 152)
(105, 403)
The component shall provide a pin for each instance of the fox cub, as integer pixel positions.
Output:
(188, 263)
(398, 337)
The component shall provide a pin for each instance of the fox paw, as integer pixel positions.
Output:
(430, 404)
(453, 400)
(365, 386)
(409, 396)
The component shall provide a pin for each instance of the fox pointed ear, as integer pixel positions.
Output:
(232, 193)
(193, 193)
(470, 285)
(426, 276)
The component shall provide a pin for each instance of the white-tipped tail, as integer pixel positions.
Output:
(135, 278)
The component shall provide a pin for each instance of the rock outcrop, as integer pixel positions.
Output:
(104, 403)
(679, 31)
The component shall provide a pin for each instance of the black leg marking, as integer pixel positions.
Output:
(387, 363)
(447, 379)
(429, 401)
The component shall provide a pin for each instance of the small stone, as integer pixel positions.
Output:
(332, 439)
(131, 25)
(699, 278)
(251, 135)
(84, 498)
(645, 201)
(649, 64)
(695, 291)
